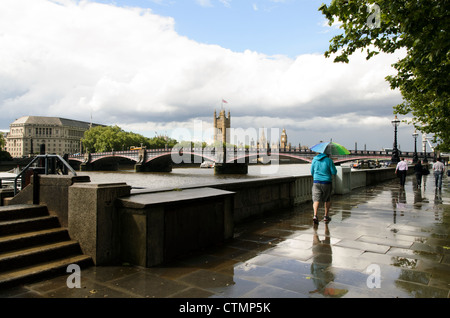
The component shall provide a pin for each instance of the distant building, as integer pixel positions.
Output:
(222, 126)
(59, 135)
(283, 140)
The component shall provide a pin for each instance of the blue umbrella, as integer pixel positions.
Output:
(331, 148)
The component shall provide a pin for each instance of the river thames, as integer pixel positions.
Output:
(185, 177)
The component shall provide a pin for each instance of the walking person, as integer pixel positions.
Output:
(418, 170)
(401, 170)
(322, 170)
(438, 169)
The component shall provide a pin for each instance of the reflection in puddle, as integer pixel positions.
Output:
(403, 231)
(322, 261)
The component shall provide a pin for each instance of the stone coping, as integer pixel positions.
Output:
(225, 184)
(140, 201)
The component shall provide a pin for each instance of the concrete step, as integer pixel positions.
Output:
(30, 239)
(42, 271)
(38, 254)
(33, 245)
(22, 211)
(28, 225)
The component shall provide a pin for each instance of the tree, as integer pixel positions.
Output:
(421, 28)
(109, 138)
(2, 141)
(4, 155)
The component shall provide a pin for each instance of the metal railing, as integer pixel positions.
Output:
(46, 159)
(5, 181)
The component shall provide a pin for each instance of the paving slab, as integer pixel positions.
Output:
(384, 241)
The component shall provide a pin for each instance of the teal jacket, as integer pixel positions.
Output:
(322, 168)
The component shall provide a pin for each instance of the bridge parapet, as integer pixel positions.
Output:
(163, 158)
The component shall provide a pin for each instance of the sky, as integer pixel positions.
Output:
(164, 66)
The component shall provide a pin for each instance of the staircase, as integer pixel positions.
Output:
(34, 246)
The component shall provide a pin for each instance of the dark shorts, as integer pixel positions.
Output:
(321, 192)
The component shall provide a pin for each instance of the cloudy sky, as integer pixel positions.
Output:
(161, 66)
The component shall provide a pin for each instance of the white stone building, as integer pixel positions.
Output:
(59, 135)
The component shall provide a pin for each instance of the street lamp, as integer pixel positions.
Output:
(424, 141)
(395, 158)
(415, 157)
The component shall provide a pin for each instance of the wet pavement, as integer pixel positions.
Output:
(382, 242)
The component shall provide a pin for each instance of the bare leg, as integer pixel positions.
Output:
(316, 207)
(327, 207)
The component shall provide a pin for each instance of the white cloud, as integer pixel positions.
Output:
(129, 67)
(208, 3)
(327, 27)
(204, 3)
(226, 3)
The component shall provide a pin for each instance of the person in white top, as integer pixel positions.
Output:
(400, 170)
(438, 168)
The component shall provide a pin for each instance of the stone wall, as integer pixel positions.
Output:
(160, 227)
(94, 221)
(256, 197)
(114, 224)
(53, 191)
(347, 180)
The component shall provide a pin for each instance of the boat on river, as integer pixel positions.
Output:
(207, 164)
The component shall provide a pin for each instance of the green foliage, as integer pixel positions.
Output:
(109, 138)
(2, 141)
(421, 28)
(5, 156)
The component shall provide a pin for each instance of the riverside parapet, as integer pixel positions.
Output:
(114, 223)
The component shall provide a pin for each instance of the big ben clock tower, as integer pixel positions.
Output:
(283, 139)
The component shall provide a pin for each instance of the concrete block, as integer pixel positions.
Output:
(342, 180)
(93, 219)
(133, 238)
(159, 227)
(54, 191)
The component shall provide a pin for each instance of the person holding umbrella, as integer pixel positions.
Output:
(322, 170)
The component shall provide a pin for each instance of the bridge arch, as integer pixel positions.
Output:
(182, 156)
(350, 159)
(302, 158)
(247, 157)
(163, 162)
(115, 156)
(76, 159)
(110, 163)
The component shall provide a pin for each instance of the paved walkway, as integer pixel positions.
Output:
(383, 241)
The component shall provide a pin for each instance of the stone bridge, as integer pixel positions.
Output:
(161, 160)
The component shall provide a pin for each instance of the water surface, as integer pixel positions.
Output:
(182, 177)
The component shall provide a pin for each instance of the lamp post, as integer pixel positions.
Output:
(415, 157)
(424, 141)
(395, 158)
